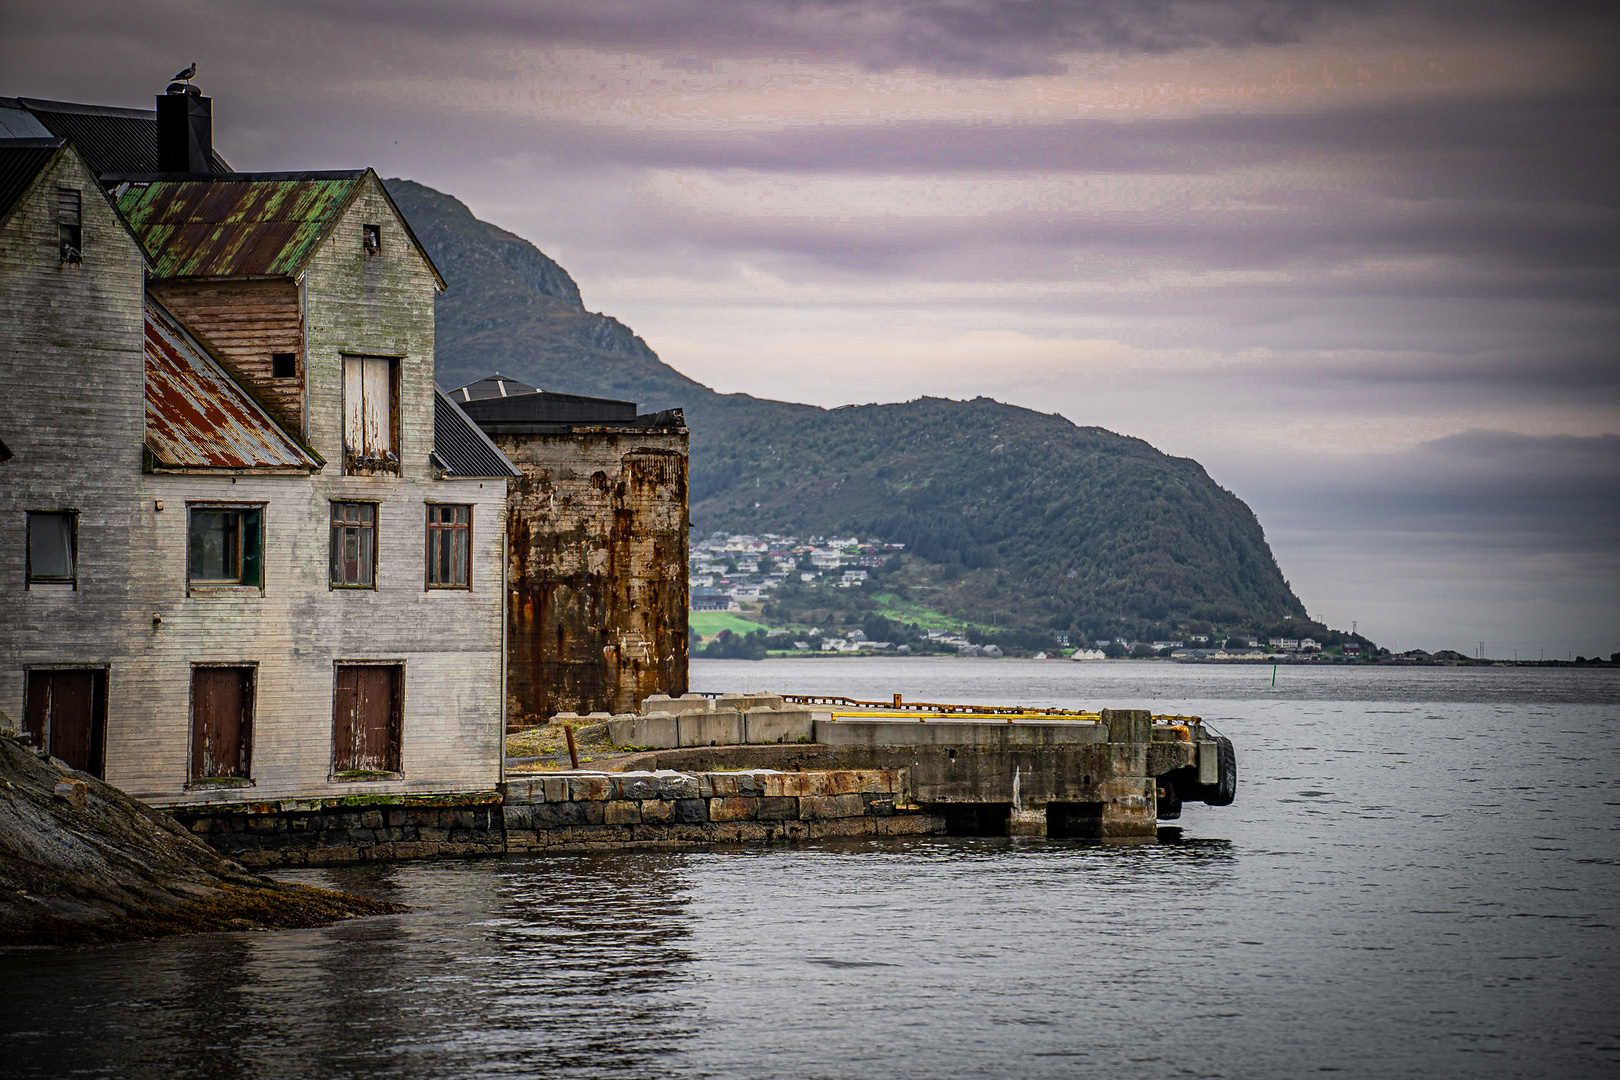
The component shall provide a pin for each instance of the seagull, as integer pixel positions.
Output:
(186, 74)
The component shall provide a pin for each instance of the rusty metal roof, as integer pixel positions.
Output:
(240, 224)
(197, 417)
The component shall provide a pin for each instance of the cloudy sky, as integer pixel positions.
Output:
(1360, 259)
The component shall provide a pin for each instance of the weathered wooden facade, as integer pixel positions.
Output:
(236, 562)
(597, 534)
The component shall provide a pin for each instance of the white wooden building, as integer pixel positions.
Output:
(247, 551)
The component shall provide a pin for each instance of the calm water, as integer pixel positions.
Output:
(1420, 877)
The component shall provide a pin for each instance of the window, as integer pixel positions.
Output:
(69, 233)
(354, 545)
(371, 239)
(367, 713)
(283, 365)
(221, 722)
(370, 438)
(65, 712)
(53, 547)
(449, 535)
(226, 546)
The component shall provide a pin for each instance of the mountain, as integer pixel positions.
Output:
(1016, 518)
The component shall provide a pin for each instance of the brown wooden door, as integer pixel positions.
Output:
(66, 711)
(366, 718)
(221, 721)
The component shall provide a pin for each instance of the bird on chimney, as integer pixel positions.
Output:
(186, 74)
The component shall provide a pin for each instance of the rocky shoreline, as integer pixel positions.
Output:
(83, 863)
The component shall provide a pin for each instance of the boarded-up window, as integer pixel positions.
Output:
(226, 545)
(367, 711)
(354, 545)
(449, 536)
(52, 547)
(65, 711)
(370, 436)
(221, 722)
(69, 227)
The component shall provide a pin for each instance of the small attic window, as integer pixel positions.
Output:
(283, 365)
(69, 234)
(371, 239)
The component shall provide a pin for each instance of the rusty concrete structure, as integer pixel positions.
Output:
(597, 548)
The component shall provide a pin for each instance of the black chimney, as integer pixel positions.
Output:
(185, 130)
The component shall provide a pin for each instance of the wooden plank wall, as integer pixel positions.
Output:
(243, 323)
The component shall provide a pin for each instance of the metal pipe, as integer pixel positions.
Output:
(573, 751)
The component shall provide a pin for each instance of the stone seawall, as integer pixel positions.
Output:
(672, 809)
(567, 812)
(333, 832)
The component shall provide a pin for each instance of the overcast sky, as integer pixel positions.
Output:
(1358, 258)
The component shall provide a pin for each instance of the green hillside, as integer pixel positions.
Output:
(1014, 518)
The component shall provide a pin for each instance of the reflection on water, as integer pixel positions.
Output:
(1405, 887)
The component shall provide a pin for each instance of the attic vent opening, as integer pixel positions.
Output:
(371, 239)
(283, 365)
(69, 234)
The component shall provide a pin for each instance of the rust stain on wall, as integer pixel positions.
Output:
(597, 591)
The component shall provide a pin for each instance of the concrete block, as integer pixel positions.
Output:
(1209, 763)
(621, 812)
(691, 811)
(566, 718)
(763, 724)
(556, 789)
(587, 788)
(733, 809)
(1027, 822)
(778, 808)
(781, 785)
(722, 727)
(635, 786)
(743, 702)
(1128, 725)
(675, 785)
(656, 731)
(688, 703)
(657, 703)
(817, 807)
(718, 785)
(843, 782)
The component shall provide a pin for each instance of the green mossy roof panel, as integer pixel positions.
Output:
(253, 226)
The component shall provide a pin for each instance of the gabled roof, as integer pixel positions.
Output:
(112, 140)
(241, 224)
(460, 448)
(237, 224)
(197, 417)
(20, 162)
(496, 385)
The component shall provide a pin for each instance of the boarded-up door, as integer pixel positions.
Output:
(66, 711)
(221, 721)
(366, 718)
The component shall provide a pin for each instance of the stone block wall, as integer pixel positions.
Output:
(333, 832)
(583, 812)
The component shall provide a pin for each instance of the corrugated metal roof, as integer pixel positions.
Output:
(238, 225)
(461, 449)
(17, 122)
(197, 417)
(112, 140)
(20, 162)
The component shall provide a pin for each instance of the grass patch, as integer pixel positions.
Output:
(708, 624)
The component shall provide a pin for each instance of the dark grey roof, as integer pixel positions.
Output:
(20, 162)
(17, 122)
(496, 385)
(506, 406)
(112, 140)
(460, 448)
